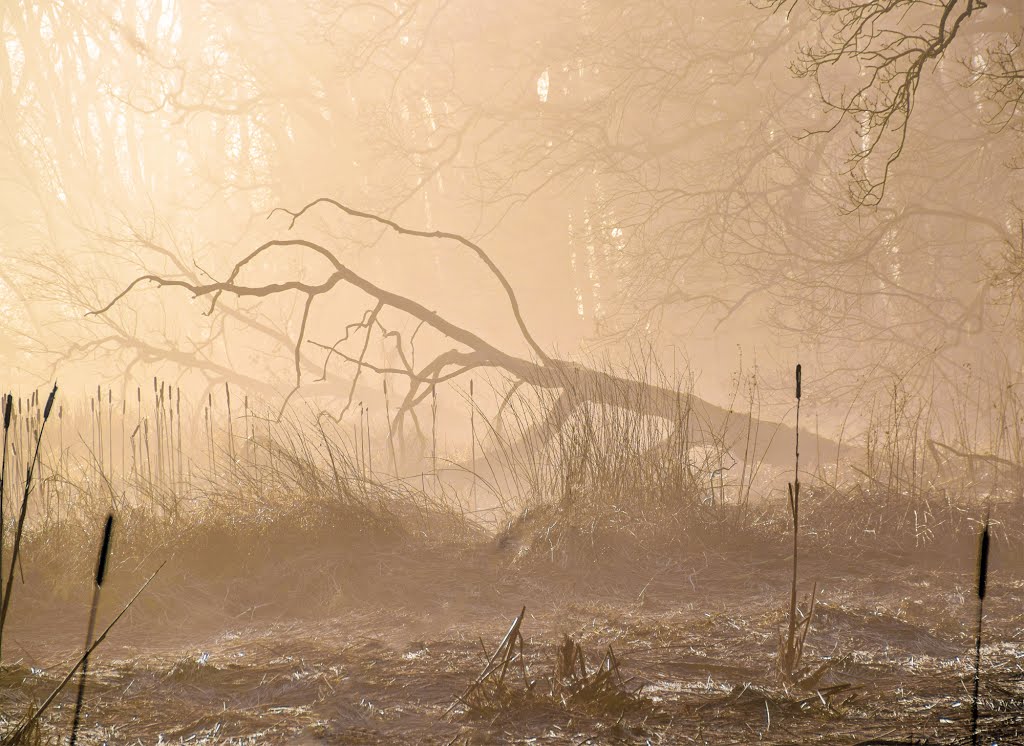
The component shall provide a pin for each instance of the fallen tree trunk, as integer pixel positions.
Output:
(575, 383)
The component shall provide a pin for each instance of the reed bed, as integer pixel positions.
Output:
(606, 483)
(306, 513)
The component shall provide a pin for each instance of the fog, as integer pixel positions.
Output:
(511, 291)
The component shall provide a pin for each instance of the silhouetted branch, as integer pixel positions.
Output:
(890, 42)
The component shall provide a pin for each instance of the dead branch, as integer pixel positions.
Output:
(578, 384)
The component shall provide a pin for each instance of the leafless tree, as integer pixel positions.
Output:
(575, 383)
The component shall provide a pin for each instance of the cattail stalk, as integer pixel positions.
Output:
(173, 458)
(177, 408)
(369, 448)
(92, 426)
(433, 433)
(149, 459)
(231, 441)
(982, 581)
(357, 441)
(156, 422)
(124, 440)
(245, 428)
(101, 569)
(790, 653)
(99, 429)
(472, 438)
(8, 406)
(110, 432)
(206, 434)
(391, 434)
(138, 427)
(21, 518)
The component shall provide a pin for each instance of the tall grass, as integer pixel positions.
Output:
(23, 514)
(562, 482)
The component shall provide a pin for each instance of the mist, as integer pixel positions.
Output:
(472, 373)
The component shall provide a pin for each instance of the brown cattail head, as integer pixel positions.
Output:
(8, 407)
(983, 562)
(49, 402)
(101, 566)
(798, 381)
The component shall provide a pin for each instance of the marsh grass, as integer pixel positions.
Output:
(599, 484)
(292, 513)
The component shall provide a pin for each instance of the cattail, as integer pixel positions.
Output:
(982, 581)
(19, 530)
(8, 407)
(791, 654)
(101, 569)
(983, 562)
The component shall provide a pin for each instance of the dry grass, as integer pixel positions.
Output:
(616, 514)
